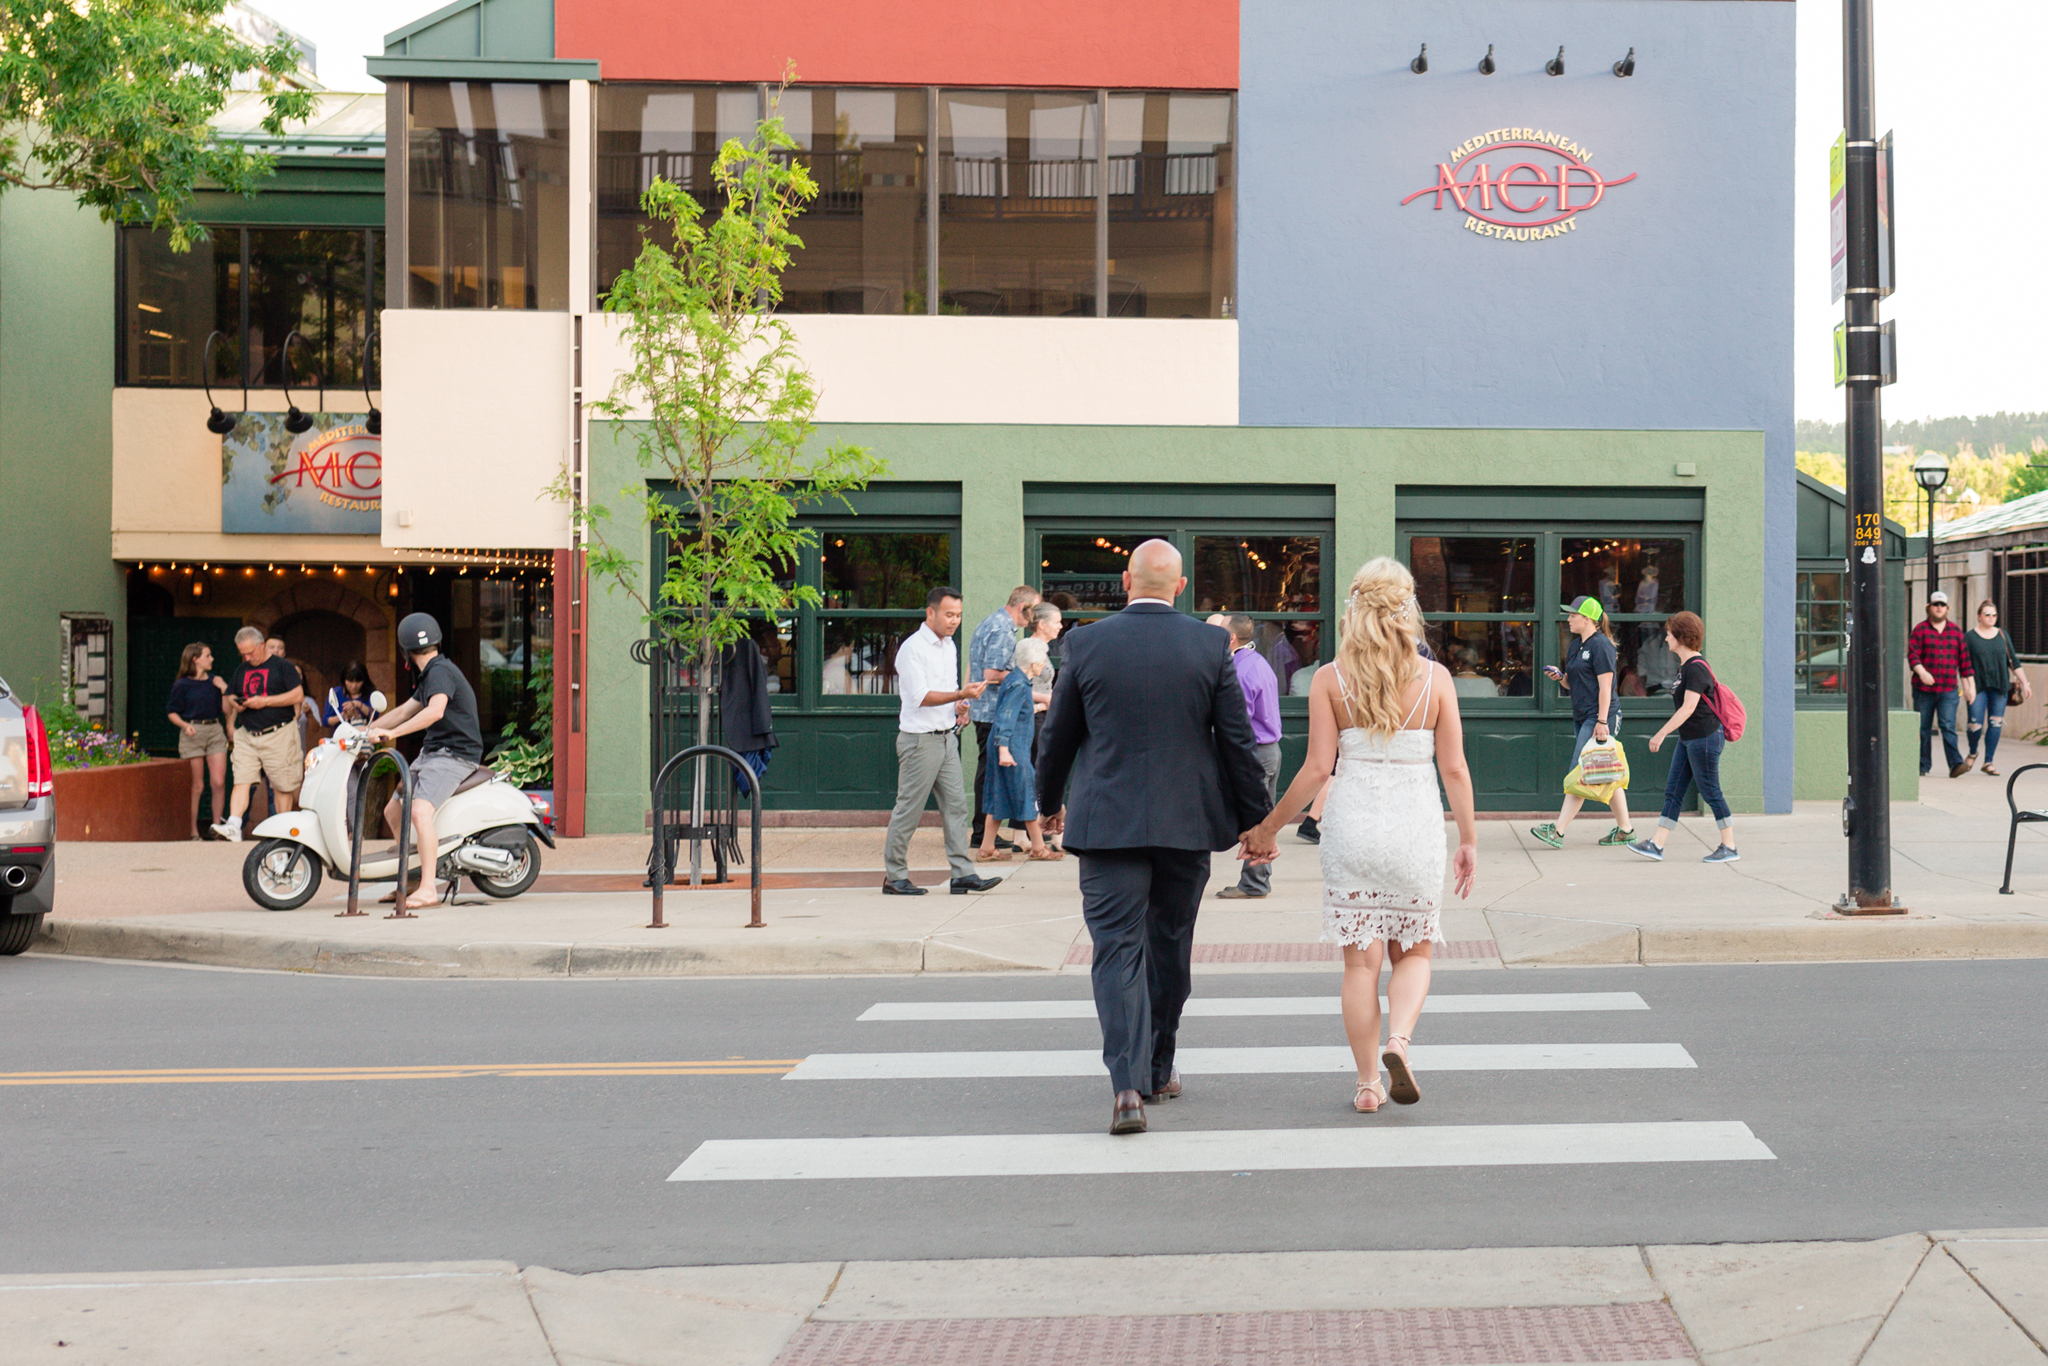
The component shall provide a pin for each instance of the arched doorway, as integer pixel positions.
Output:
(323, 643)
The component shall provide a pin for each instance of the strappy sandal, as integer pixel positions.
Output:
(1046, 855)
(999, 856)
(1404, 1091)
(1370, 1097)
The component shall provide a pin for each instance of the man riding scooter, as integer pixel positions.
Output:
(444, 706)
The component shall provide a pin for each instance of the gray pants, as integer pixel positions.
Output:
(1257, 878)
(925, 761)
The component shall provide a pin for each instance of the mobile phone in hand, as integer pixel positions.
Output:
(1552, 671)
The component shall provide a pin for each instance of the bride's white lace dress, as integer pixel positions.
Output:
(1383, 840)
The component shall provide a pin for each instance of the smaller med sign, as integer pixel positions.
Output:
(327, 481)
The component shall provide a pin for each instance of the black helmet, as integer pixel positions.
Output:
(419, 632)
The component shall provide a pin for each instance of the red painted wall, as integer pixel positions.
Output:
(1160, 44)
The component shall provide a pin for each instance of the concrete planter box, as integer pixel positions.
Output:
(146, 801)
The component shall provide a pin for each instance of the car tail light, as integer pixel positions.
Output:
(41, 782)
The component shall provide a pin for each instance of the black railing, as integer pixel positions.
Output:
(659, 859)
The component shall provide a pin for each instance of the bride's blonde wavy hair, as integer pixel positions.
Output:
(1378, 633)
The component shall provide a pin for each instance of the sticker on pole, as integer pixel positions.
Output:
(1838, 216)
(1870, 554)
(1841, 354)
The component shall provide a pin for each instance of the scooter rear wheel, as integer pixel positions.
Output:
(280, 875)
(520, 879)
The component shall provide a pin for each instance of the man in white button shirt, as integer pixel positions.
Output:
(927, 752)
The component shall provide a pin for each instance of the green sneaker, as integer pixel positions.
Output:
(1618, 836)
(1548, 834)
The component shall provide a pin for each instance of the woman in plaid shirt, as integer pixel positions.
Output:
(1940, 660)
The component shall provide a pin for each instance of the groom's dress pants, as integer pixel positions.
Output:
(1140, 906)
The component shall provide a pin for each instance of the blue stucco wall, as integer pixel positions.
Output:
(1667, 307)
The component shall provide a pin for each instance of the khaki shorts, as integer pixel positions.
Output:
(274, 754)
(207, 737)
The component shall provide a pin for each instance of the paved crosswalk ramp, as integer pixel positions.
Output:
(1371, 1142)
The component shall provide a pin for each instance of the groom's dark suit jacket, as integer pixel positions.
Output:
(1148, 720)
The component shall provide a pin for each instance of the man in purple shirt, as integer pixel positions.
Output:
(1262, 699)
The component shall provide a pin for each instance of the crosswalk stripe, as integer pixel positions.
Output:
(1456, 1003)
(1097, 1154)
(1198, 1062)
(729, 1067)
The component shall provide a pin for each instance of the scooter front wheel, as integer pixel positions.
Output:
(519, 879)
(280, 875)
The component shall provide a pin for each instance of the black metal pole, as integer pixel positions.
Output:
(1866, 813)
(1931, 569)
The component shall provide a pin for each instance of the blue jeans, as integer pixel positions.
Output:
(1696, 762)
(1930, 705)
(1987, 710)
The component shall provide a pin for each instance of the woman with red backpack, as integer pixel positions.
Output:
(1698, 704)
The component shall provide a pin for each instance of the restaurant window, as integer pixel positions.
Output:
(255, 286)
(1478, 599)
(487, 195)
(1017, 202)
(670, 131)
(1819, 643)
(864, 234)
(1171, 251)
(1639, 582)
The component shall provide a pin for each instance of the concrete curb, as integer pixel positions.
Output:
(155, 942)
(1818, 941)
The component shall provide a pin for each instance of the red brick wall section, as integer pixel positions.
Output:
(1128, 44)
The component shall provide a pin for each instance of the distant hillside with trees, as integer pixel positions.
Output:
(2014, 431)
(1992, 460)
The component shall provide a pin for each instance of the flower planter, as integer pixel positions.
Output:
(147, 801)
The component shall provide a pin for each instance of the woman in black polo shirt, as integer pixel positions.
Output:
(195, 710)
(1697, 759)
(1588, 676)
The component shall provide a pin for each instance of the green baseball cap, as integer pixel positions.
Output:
(1587, 607)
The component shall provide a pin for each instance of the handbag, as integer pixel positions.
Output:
(1601, 772)
(2013, 694)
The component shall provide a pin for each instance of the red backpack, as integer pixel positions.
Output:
(1723, 702)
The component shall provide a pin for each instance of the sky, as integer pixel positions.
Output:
(1955, 80)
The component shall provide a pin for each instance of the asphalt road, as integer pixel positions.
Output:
(1892, 1097)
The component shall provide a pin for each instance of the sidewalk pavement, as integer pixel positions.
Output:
(1979, 1297)
(1583, 904)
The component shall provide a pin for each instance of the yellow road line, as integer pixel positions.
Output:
(730, 1067)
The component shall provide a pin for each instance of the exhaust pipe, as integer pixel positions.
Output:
(486, 859)
(15, 877)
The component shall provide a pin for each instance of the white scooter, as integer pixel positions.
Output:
(486, 829)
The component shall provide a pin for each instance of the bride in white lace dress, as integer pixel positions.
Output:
(1392, 720)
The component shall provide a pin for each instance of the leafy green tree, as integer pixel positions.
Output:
(718, 405)
(110, 100)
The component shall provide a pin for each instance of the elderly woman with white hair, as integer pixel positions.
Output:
(1010, 786)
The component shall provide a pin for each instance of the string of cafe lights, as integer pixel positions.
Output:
(197, 575)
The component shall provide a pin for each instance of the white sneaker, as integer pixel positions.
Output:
(229, 830)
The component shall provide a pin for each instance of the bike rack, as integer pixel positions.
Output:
(355, 842)
(658, 861)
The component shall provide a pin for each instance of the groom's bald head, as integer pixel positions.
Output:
(1154, 572)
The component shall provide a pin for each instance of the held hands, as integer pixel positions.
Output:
(1258, 845)
(1464, 867)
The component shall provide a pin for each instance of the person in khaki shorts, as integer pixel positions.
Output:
(195, 709)
(263, 706)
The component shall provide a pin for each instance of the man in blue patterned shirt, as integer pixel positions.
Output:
(990, 652)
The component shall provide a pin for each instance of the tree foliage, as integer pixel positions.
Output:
(1976, 483)
(719, 405)
(111, 100)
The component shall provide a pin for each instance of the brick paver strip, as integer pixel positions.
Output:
(1402, 1337)
(1081, 955)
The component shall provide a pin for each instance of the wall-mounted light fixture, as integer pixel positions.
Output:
(374, 424)
(1555, 66)
(296, 422)
(218, 422)
(1421, 62)
(1486, 63)
(1627, 65)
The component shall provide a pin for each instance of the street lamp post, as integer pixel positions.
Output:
(1930, 472)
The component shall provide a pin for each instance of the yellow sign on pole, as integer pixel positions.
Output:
(1841, 354)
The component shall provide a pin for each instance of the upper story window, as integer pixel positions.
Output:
(255, 286)
(487, 195)
(1029, 200)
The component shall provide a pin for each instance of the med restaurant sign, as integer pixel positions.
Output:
(1519, 184)
(326, 481)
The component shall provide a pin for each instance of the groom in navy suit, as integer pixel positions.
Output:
(1148, 721)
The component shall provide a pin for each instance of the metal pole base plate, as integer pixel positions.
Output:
(1849, 906)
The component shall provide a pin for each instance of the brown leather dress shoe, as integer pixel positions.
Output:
(1128, 1116)
(1168, 1091)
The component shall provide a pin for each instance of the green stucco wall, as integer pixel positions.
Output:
(56, 434)
(1820, 759)
(993, 463)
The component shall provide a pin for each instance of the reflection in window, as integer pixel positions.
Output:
(1486, 658)
(1644, 665)
(1170, 206)
(1295, 648)
(1474, 573)
(858, 654)
(1088, 567)
(325, 283)
(1017, 202)
(883, 569)
(1629, 575)
(1257, 574)
(864, 235)
(776, 640)
(487, 184)
(1819, 642)
(670, 131)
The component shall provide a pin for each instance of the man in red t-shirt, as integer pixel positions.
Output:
(1940, 660)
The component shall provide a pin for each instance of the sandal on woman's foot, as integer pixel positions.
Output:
(1045, 855)
(998, 856)
(1371, 1095)
(1404, 1091)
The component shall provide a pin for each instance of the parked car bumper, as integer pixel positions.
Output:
(28, 858)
